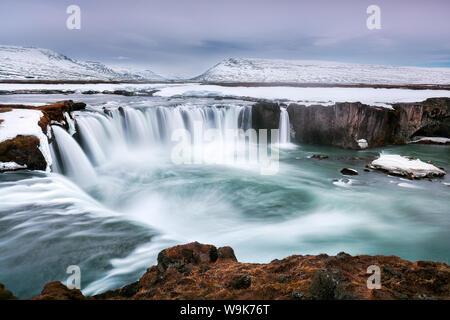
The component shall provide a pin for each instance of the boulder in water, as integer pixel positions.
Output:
(406, 166)
(349, 172)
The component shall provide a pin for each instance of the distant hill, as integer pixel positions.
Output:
(28, 63)
(304, 71)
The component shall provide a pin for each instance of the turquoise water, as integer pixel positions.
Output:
(142, 203)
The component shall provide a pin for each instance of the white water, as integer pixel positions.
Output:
(74, 162)
(129, 130)
(285, 127)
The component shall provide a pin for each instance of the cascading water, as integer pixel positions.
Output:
(74, 162)
(120, 129)
(285, 135)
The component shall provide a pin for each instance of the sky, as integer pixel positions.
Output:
(186, 37)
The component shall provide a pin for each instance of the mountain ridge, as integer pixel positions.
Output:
(31, 63)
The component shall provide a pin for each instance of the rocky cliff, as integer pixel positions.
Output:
(343, 124)
(199, 271)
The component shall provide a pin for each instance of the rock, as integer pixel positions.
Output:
(240, 282)
(319, 156)
(192, 253)
(265, 115)
(23, 150)
(349, 172)
(197, 271)
(226, 253)
(327, 285)
(57, 291)
(342, 123)
(406, 167)
(6, 294)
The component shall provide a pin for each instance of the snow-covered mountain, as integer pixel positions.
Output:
(304, 71)
(28, 63)
(137, 73)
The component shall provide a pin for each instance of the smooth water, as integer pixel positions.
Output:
(119, 199)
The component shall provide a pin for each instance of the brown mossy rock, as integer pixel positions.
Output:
(6, 294)
(57, 291)
(23, 150)
(199, 271)
(192, 253)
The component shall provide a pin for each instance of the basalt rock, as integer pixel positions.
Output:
(197, 271)
(266, 115)
(349, 172)
(344, 124)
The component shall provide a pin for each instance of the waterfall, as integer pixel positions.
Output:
(102, 136)
(284, 136)
(74, 162)
(127, 127)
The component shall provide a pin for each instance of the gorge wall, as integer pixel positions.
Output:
(343, 124)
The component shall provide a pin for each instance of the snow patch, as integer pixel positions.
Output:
(404, 166)
(7, 166)
(362, 143)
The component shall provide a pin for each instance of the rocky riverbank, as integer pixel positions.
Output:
(200, 271)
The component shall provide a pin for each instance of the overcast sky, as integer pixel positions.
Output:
(186, 37)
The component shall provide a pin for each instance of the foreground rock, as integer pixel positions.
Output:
(25, 133)
(358, 126)
(6, 294)
(199, 271)
(406, 167)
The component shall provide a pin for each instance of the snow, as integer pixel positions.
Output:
(400, 165)
(7, 166)
(306, 96)
(25, 122)
(305, 71)
(362, 143)
(22, 63)
(438, 140)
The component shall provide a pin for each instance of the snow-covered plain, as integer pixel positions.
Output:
(307, 96)
(22, 63)
(305, 71)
